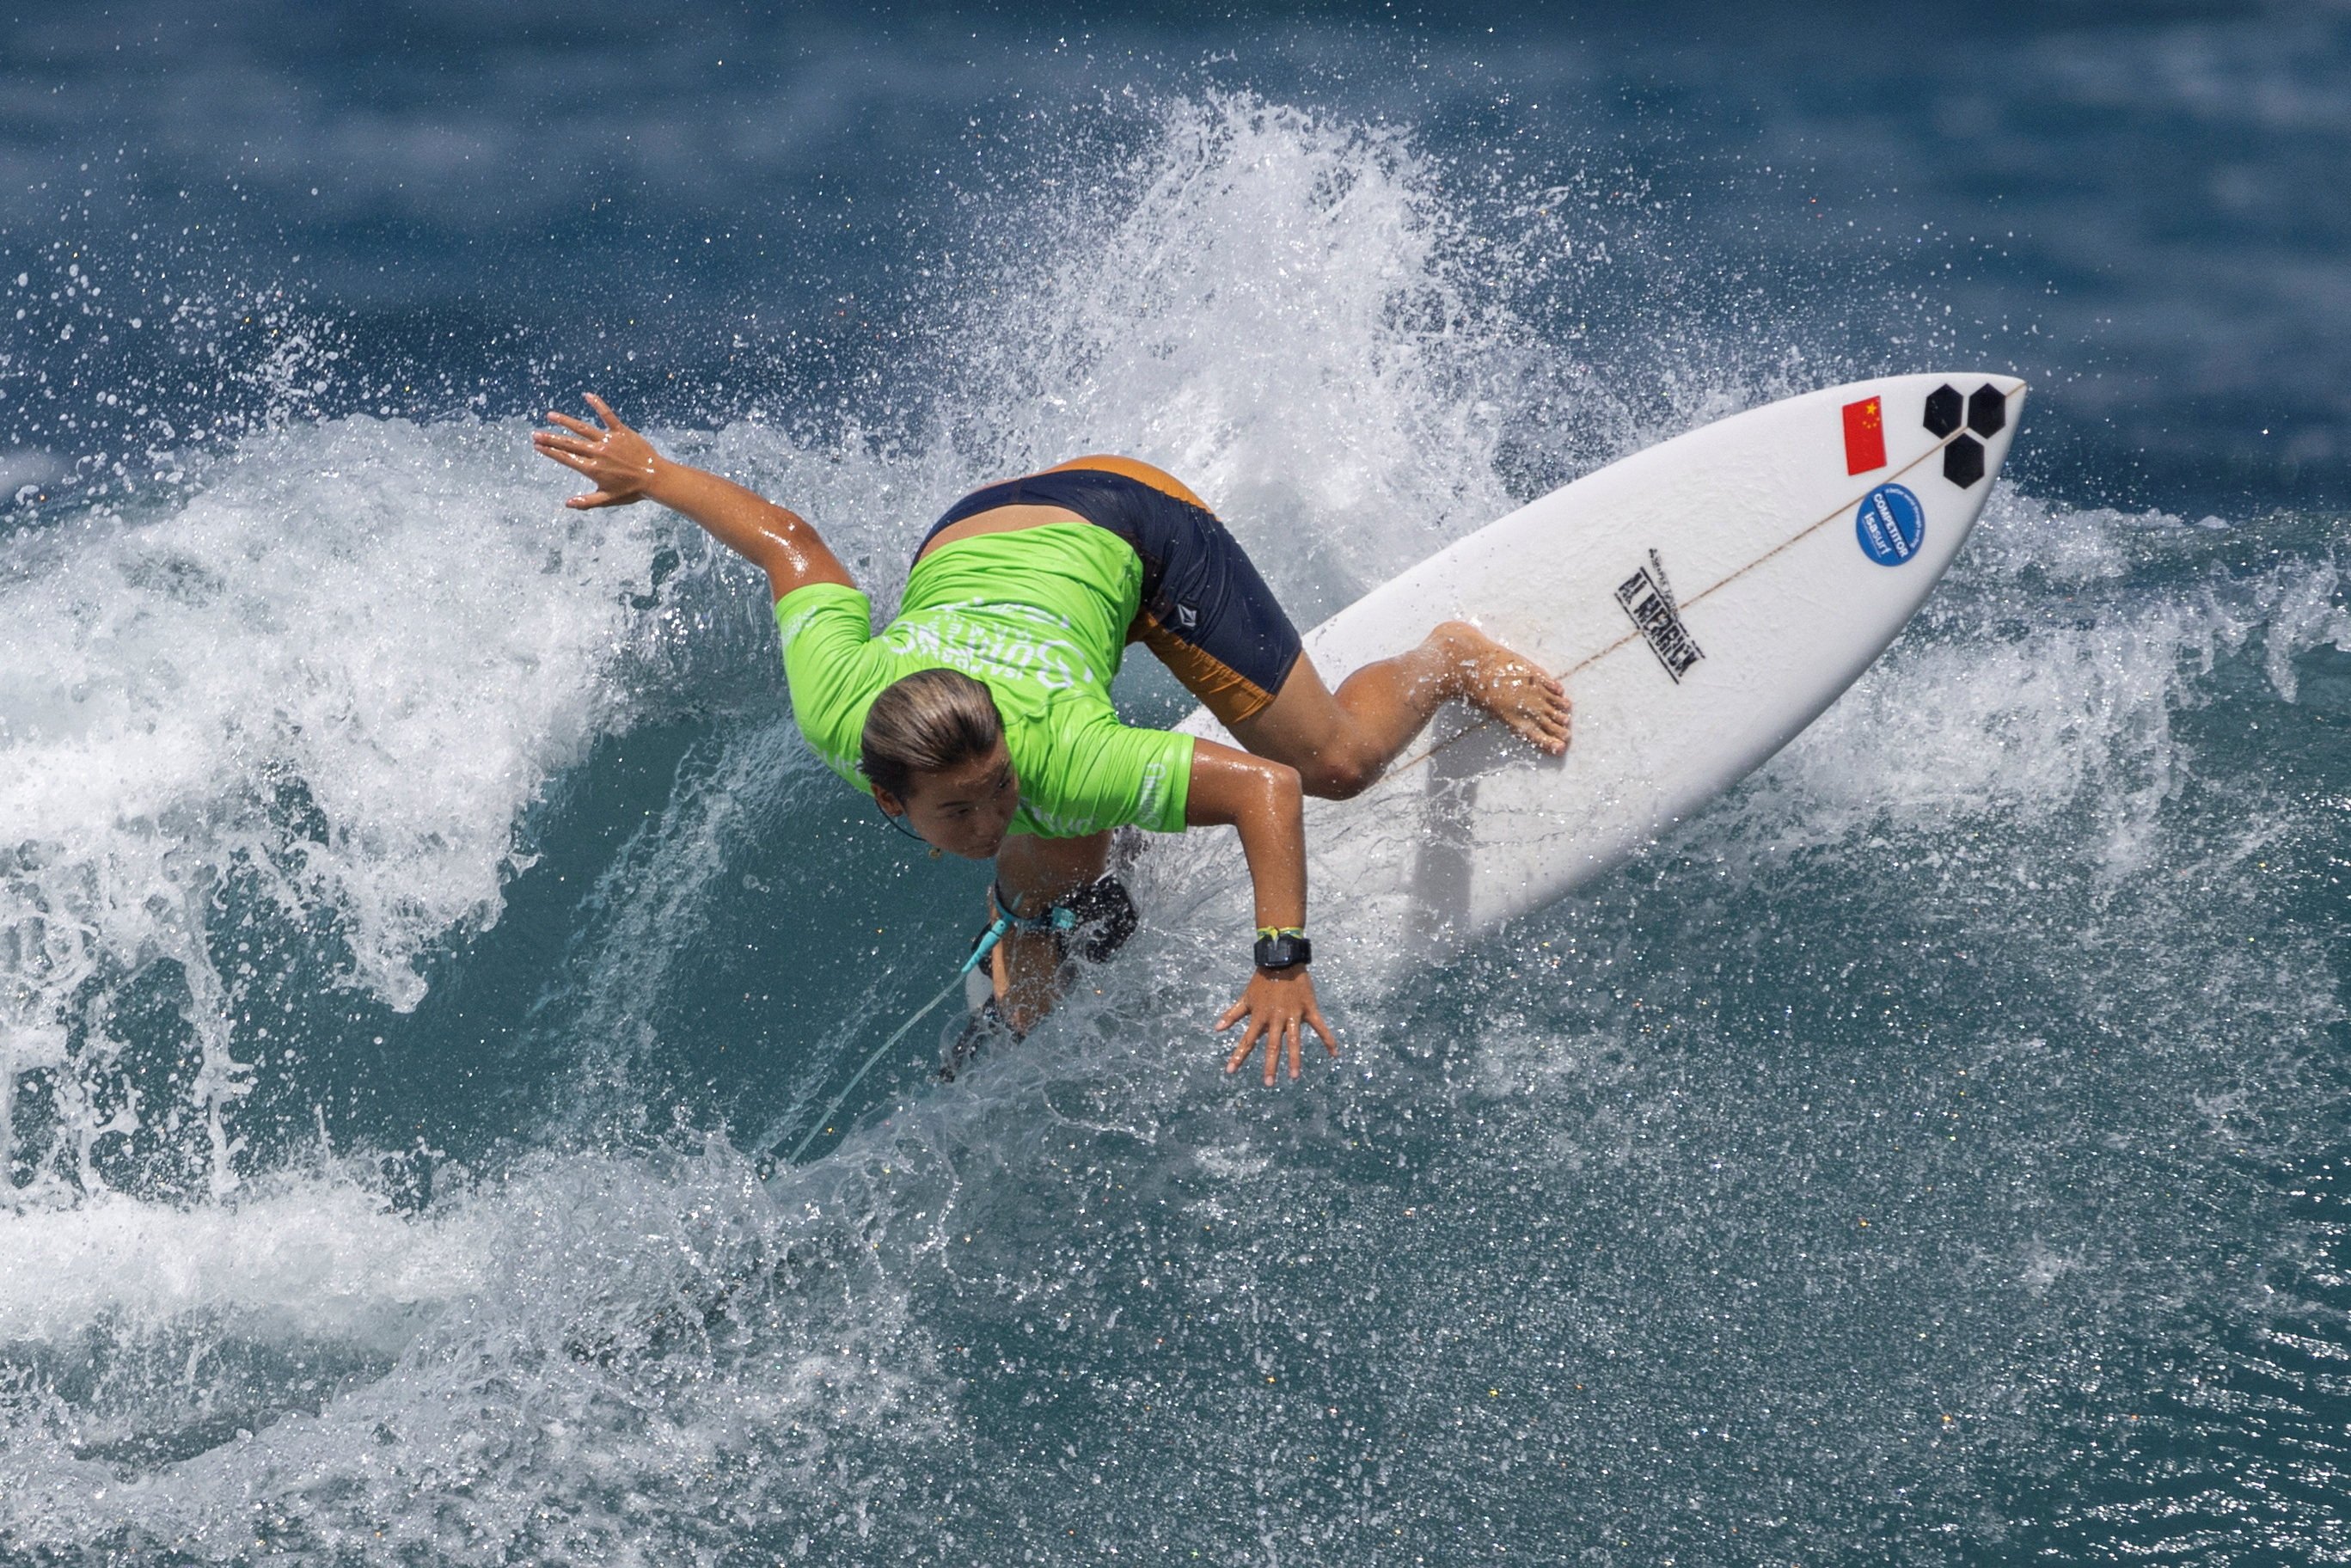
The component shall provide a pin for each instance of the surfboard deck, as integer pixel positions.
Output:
(1702, 601)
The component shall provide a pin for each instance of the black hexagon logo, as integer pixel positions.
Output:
(1987, 410)
(1943, 408)
(1963, 462)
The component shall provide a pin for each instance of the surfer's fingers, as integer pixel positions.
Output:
(1241, 1051)
(1233, 1015)
(604, 411)
(1296, 1030)
(1314, 1017)
(547, 441)
(581, 426)
(569, 459)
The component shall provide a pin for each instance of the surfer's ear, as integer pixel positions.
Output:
(890, 805)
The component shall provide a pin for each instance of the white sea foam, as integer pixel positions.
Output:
(305, 1259)
(1277, 312)
(343, 666)
(377, 1365)
(2035, 693)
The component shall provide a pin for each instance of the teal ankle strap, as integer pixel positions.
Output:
(1056, 918)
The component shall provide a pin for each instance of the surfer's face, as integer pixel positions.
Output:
(965, 810)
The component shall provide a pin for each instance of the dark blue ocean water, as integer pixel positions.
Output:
(415, 900)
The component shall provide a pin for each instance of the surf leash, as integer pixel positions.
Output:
(979, 952)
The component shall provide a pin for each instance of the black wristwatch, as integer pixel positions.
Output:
(1286, 949)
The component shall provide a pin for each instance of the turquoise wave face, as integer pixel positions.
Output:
(414, 898)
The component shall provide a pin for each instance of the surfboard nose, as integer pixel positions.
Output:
(1987, 412)
(2012, 396)
(2011, 391)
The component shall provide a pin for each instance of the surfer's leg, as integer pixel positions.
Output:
(1208, 615)
(1035, 874)
(1341, 741)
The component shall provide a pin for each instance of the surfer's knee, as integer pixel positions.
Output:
(1340, 776)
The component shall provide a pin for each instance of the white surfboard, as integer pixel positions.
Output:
(1702, 601)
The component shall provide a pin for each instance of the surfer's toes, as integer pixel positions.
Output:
(1562, 721)
(1555, 738)
(1541, 725)
(1540, 717)
(1548, 734)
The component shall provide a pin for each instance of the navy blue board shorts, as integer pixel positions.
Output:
(1206, 613)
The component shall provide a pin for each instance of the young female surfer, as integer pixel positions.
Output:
(981, 718)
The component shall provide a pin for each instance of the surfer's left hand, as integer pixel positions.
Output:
(620, 462)
(1278, 1005)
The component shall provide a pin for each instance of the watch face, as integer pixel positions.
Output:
(1284, 952)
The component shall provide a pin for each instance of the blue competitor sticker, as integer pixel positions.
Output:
(1890, 525)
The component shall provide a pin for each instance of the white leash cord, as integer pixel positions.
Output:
(986, 944)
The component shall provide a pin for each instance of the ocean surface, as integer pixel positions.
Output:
(416, 906)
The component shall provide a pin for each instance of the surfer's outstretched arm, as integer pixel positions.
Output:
(1263, 800)
(624, 468)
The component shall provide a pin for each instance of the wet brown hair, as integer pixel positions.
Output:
(926, 723)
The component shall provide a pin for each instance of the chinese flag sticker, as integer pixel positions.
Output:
(1865, 436)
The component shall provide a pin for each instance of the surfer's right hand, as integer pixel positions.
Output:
(616, 459)
(1279, 1005)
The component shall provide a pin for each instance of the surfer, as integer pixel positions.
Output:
(980, 719)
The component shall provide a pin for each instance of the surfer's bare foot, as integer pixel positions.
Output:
(1513, 689)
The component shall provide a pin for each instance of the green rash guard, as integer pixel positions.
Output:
(1038, 616)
